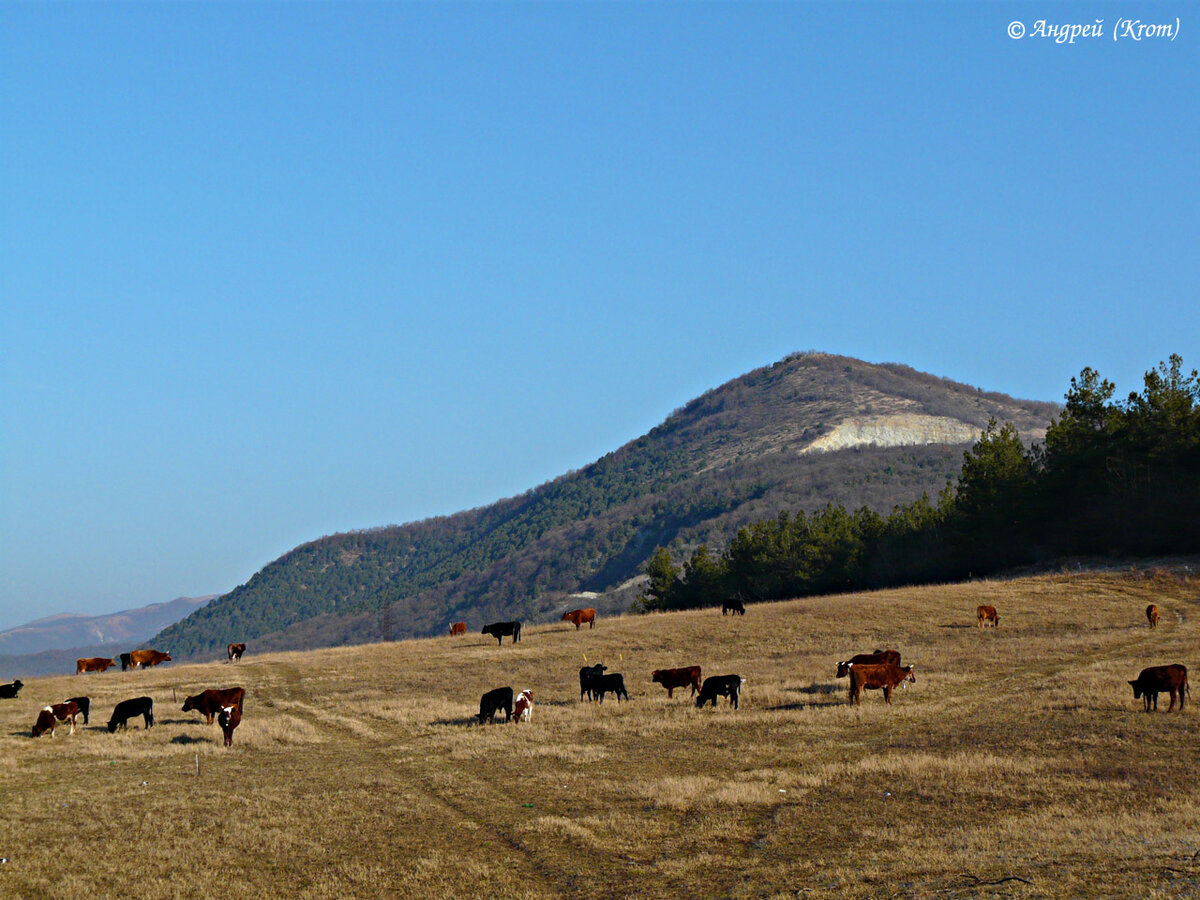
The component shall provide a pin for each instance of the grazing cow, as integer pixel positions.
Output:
(494, 701)
(229, 719)
(589, 677)
(579, 616)
(126, 662)
(733, 606)
(987, 615)
(500, 630)
(877, 676)
(523, 706)
(141, 658)
(58, 712)
(1151, 681)
(235, 651)
(677, 678)
(212, 701)
(93, 664)
(720, 686)
(613, 683)
(1152, 615)
(457, 628)
(879, 656)
(10, 691)
(127, 709)
(84, 704)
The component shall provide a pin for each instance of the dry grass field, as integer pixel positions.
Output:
(1019, 764)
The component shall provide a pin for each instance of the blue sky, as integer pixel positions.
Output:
(273, 271)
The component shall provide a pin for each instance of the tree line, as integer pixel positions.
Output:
(1116, 478)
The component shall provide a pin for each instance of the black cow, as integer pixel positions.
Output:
(494, 701)
(126, 662)
(720, 686)
(588, 678)
(1151, 681)
(501, 630)
(127, 709)
(10, 691)
(611, 684)
(84, 704)
(733, 606)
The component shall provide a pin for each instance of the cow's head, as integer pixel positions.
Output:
(910, 675)
(843, 669)
(44, 723)
(1137, 689)
(191, 703)
(656, 676)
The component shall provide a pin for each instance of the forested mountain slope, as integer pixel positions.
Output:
(809, 430)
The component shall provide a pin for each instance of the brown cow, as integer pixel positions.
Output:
(579, 616)
(1152, 615)
(1172, 678)
(457, 628)
(879, 656)
(212, 701)
(986, 615)
(52, 715)
(140, 658)
(235, 651)
(876, 676)
(677, 678)
(93, 664)
(229, 719)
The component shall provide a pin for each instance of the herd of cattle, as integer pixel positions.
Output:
(878, 670)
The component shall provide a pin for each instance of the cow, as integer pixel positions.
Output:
(677, 678)
(229, 719)
(212, 701)
(235, 651)
(499, 630)
(877, 676)
(51, 715)
(457, 628)
(987, 615)
(494, 701)
(613, 683)
(589, 677)
(579, 616)
(10, 691)
(84, 704)
(126, 662)
(523, 706)
(141, 658)
(94, 664)
(127, 709)
(720, 686)
(1152, 615)
(733, 606)
(879, 656)
(1151, 681)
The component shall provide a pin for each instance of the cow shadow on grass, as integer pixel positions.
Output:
(190, 739)
(960, 625)
(820, 688)
(460, 720)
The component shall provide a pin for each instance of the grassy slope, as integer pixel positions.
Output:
(1019, 752)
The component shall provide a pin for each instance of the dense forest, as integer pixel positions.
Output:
(730, 457)
(1111, 478)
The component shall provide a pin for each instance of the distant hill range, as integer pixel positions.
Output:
(809, 430)
(51, 645)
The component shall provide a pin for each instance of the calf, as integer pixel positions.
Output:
(673, 678)
(733, 606)
(229, 719)
(1151, 681)
(720, 686)
(523, 707)
(84, 704)
(212, 701)
(500, 630)
(494, 701)
(457, 628)
(987, 615)
(10, 691)
(589, 677)
(1152, 615)
(127, 709)
(94, 664)
(50, 715)
(612, 684)
(877, 676)
(235, 651)
(879, 656)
